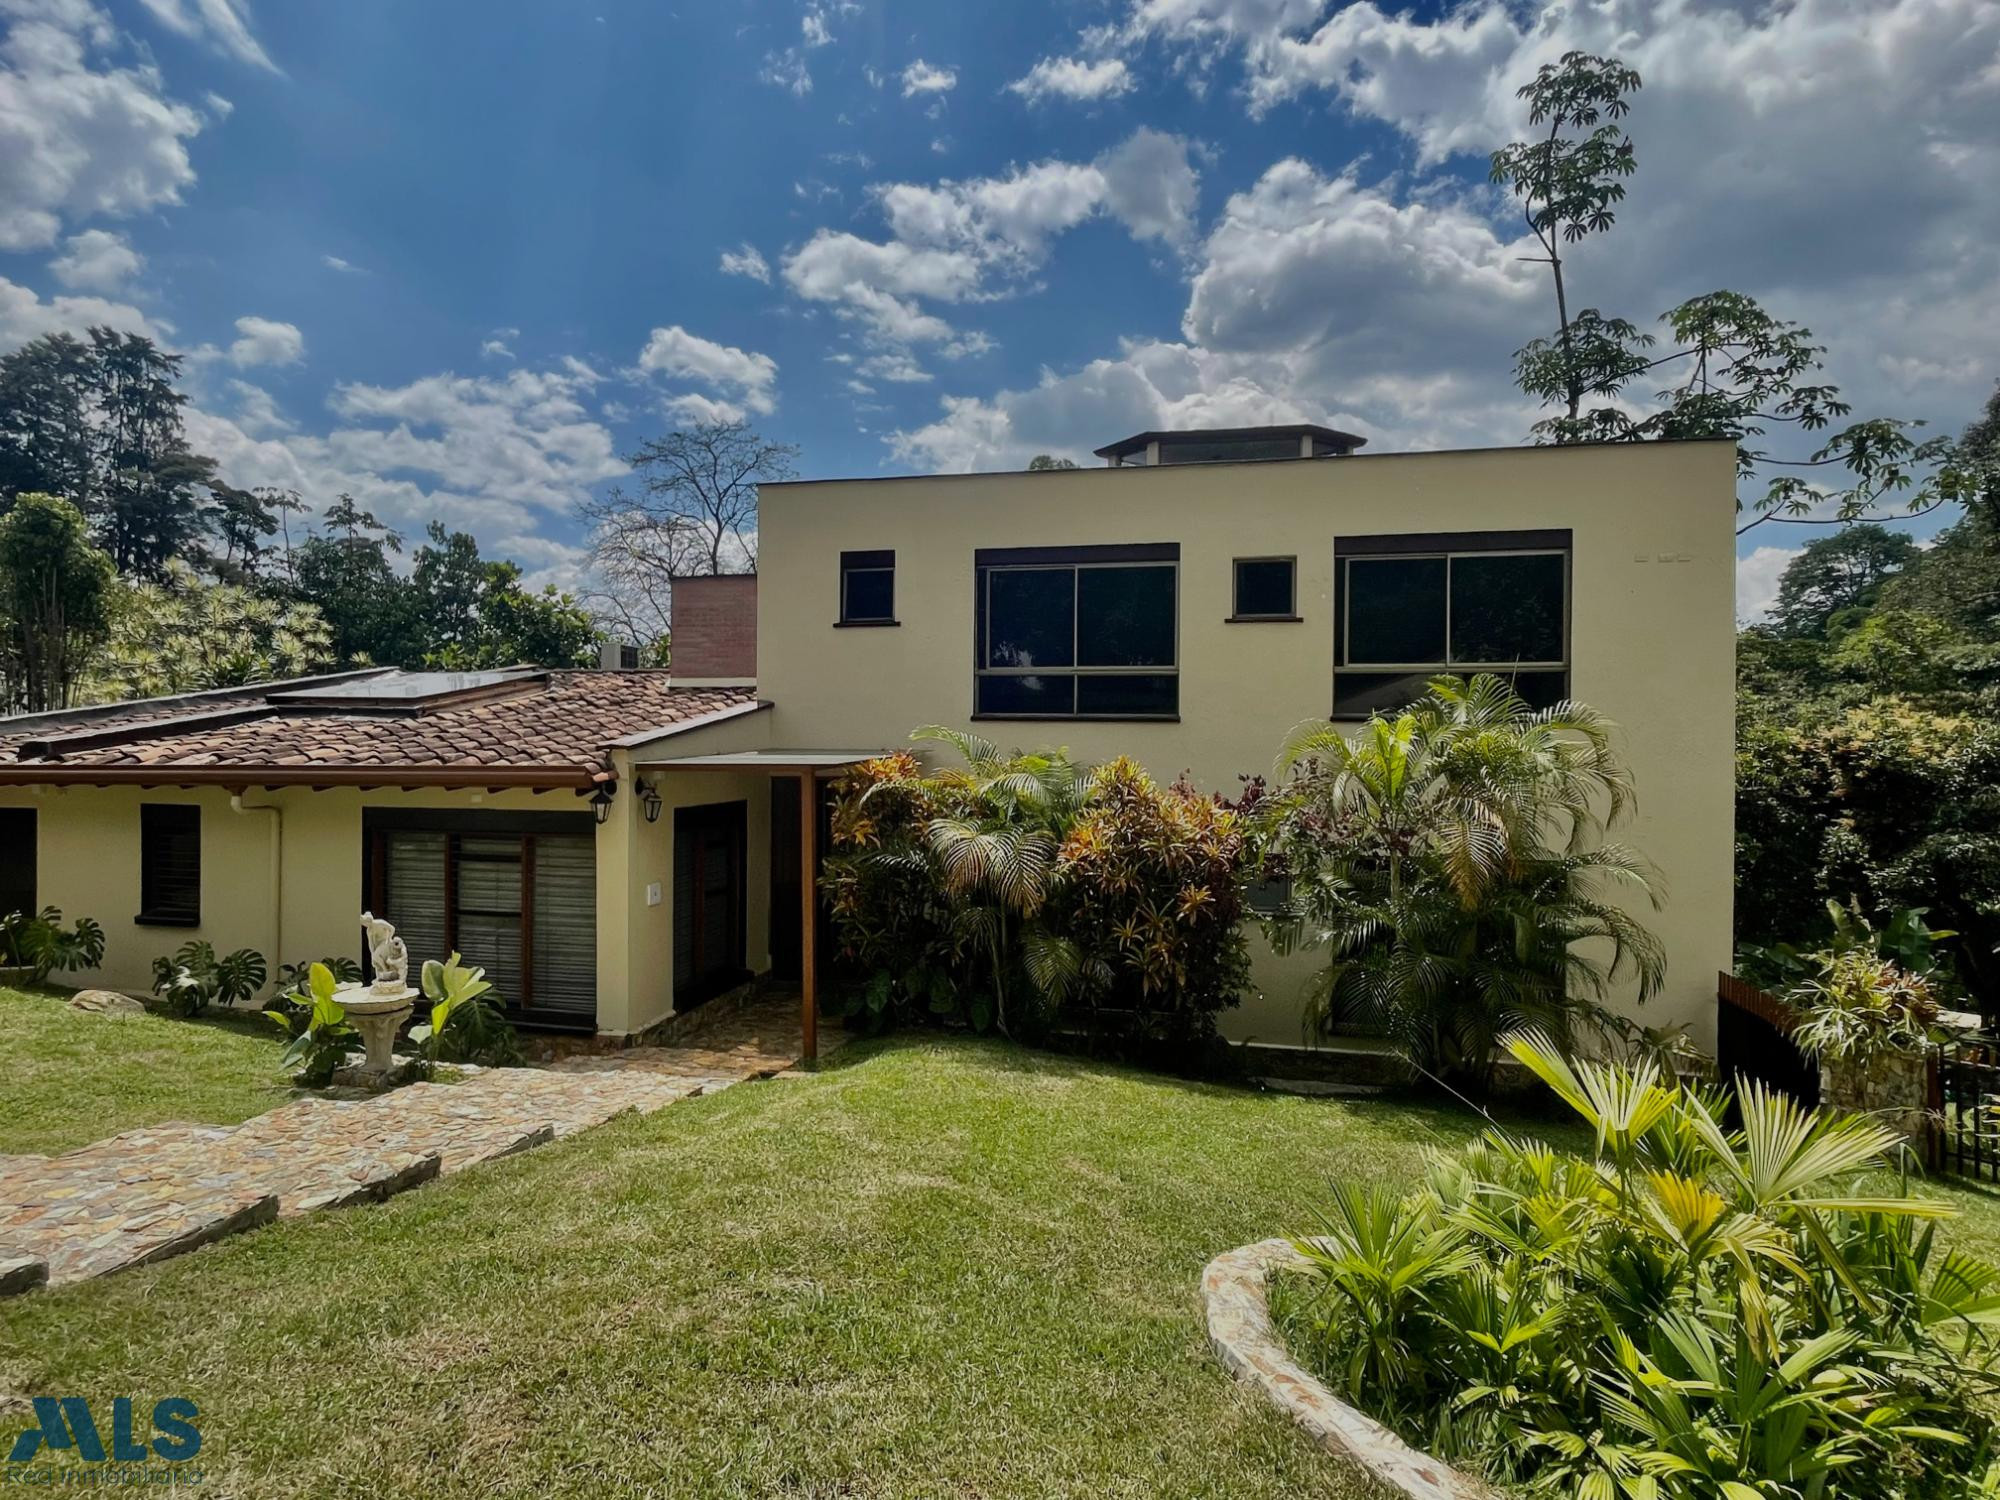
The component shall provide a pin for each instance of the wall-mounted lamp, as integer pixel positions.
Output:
(650, 799)
(600, 801)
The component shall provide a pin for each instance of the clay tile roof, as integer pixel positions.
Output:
(553, 726)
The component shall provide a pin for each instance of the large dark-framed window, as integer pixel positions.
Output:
(1077, 632)
(1264, 590)
(17, 860)
(868, 588)
(169, 865)
(513, 892)
(1410, 607)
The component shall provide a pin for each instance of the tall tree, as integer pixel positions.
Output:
(346, 573)
(695, 512)
(471, 612)
(1957, 578)
(1838, 574)
(1738, 372)
(150, 508)
(241, 521)
(99, 423)
(48, 395)
(1569, 182)
(53, 588)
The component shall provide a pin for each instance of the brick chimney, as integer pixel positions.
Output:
(714, 638)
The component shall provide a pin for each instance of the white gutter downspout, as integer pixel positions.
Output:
(237, 804)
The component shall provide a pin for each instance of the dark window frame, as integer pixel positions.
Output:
(988, 561)
(1237, 616)
(159, 907)
(378, 822)
(882, 560)
(1448, 544)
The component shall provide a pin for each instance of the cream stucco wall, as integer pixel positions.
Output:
(284, 876)
(1652, 627)
(635, 957)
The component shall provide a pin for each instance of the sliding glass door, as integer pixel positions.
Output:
(516, 896)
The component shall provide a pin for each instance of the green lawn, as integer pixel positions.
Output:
(67, 1079)
(933, 1269)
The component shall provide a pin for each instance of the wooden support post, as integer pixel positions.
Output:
(808, 914)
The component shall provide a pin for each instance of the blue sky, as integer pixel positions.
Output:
(455, 257)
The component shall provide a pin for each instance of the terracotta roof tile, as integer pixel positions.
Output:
(562, 721)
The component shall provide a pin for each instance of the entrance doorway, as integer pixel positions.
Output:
(709, 905)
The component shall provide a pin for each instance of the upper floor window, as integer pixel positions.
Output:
(868, 588)
(169, 864)
(1412, 607)
(1265, 588)
(1078, 632)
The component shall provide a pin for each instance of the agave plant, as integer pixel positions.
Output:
(1450, 863)
(1686, 1310)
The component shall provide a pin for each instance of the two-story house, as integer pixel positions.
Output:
(616, 846)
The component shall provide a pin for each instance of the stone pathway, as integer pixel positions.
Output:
(159, 1191)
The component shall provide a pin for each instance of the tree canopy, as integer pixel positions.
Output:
(1723, 367)
(53, 601)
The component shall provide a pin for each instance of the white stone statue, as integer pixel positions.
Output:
(391, 958)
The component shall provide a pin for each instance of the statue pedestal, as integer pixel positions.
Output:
(377, 1014)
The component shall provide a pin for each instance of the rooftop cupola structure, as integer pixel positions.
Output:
(1227, 445)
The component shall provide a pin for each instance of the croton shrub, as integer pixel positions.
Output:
(1032, 895)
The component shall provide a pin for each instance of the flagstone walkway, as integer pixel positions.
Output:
(159, 1191)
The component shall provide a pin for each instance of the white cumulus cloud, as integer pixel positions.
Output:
(746, 260)
(1074, 78)
(96, 261)
(223, 24)
(749, 379)
(921, 77)
(80, 138)
(25, 316)
(264, 341)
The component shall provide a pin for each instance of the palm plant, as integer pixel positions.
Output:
(1450, 862)
(996, 844)
(1683, 1311)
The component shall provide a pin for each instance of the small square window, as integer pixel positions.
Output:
(1268, 896)
(169, 865)
(868, 588)
(1266, 588)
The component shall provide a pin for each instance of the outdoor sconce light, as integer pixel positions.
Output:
(600, 801)
(649, 798)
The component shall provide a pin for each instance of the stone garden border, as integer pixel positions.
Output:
(1238, 1313)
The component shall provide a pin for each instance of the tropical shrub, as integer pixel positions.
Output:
(1861, 1007)
(1147, 922)
(1906, 941)
(1888, 805)
(1027, 893)
(194, 978)
(1683, 1312)
(1449, 863)
(464, 1026)
(40, 943)
(295, 979)
(316, 1023)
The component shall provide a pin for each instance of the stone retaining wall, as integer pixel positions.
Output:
(1238, 1312)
